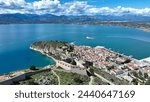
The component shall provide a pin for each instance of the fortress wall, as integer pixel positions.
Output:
(71, 68)
(21, 77)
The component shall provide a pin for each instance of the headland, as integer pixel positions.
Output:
(105, 65)
(81, 58)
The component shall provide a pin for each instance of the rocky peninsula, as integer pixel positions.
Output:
(95, 60)
(82, 65)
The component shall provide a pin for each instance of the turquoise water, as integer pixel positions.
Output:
(16, 39)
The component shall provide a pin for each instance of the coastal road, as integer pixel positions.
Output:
(104, 79)
(56, 76)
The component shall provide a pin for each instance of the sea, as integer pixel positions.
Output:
(15, 40)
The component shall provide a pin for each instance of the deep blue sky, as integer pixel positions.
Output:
(113, 3)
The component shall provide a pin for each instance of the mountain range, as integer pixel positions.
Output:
(49, 18)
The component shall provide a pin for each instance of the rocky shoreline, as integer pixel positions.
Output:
(42, 52)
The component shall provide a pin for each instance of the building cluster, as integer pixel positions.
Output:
(114, 63)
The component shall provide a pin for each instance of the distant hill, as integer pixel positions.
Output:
(33, 18)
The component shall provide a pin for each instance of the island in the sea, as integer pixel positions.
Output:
(81, 65)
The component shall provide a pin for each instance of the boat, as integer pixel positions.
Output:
(72, 43)
(89, 38)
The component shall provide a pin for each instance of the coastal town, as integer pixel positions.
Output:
(100, 64)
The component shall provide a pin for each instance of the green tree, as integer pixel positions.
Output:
(110, 67)
(112, 80)
(70, 48)
(145, 75)
(135, 81)
(127, 61)
(140, 73)
(135, 74)
(78, 80)
(91, 70)
(33, 67)
(148, 82)
(88, 64)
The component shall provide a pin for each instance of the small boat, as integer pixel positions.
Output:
(89, 38)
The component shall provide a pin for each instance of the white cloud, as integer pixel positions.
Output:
(120, 11)
(75, 8)
(10, 3)
(69, 8)
(45, 4)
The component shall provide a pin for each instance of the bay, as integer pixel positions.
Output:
(15, 40)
